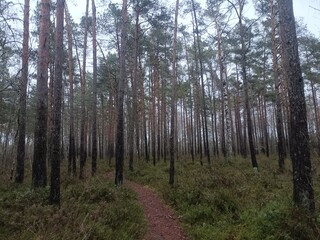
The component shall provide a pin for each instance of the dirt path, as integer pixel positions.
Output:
(162, 222)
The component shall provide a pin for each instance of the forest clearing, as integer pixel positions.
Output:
(151, 119)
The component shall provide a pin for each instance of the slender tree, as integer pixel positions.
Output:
(57, 96)
(244, 63)
(225, 113)
(303, 194)
(277, 82)
(83, 92)
(133, 121)
(72, 148)
(173, 98)
(204, 106)
(39, 167)
(121, 89)
(23, 96)
(94, 91)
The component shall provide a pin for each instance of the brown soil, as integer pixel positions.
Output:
(162, 222)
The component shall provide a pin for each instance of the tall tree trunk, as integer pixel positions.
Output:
(72, 148)
(39, 167)
(121, 89)
(23, 96)
(264, 108)
(227, 114)
(204, 106)
(242, 137)
(191, 131)
(173, 98)
(134, 120)
(164, 116)
(196, 92)
(210, 96)
(279, 118)
(83, 92)
(57, 92)
(223, 89)
(226, 133)
(152, 116)
(143, 113)
(239, 12)
(303, 194)
(94, 92)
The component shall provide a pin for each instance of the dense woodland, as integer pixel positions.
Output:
(157, 91)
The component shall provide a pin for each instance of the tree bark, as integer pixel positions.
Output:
(57, 92)
(303, 194)
(19, 177)
(72, 148)
(243, 63)
(94, 92)
(173, 98)
(121, 89)
(39, 167)
(204, 106)
(279, 118)
(83, 92)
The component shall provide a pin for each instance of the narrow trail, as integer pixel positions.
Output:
(162, 222)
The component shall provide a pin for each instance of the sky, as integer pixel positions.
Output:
(307, 10)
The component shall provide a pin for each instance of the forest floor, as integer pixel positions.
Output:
(162, 222)
(231, 201)
(218, 201)
(92, 208)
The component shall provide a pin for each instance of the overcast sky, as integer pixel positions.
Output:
(303, 9)
(306, 9)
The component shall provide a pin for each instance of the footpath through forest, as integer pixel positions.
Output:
(163, 224)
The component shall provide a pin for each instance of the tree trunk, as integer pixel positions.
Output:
(57, 92)
(226, 133)
(223, 89)
(279, 118)
(39, 165)
(83, 106)
(204, 106)
(94, 92)
(23, 97)
(190, 129)
(72, 148)
(239, 12)
(303, 194)
(173, 98)
(121, 89)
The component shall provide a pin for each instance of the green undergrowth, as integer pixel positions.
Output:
(231, 201)
(90, 209)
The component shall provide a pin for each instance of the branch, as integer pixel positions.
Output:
(314, 8)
